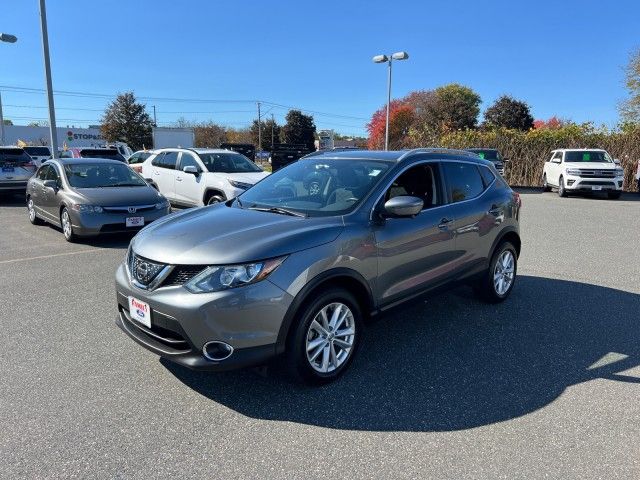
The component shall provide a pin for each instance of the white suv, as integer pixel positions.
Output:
(194, 176)
(583, 170)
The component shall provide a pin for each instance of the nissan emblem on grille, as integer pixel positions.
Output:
(132, 209)
(144, 271)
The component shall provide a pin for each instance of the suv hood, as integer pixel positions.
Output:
(222, 235)
(591, 165)
(245, 177)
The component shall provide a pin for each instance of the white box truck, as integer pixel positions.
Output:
(167, 137)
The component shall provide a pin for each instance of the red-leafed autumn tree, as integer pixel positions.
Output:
(401, 116)
(551, 124)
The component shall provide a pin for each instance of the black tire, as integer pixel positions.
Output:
(297, 363)
(614, 195)
(213, 199)
(69, 236)
(545, 185)
(33, 217)
(486, 287)
(562, 192)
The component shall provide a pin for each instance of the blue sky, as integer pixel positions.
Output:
(564, 58)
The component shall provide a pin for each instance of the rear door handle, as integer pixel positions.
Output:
(444, 223)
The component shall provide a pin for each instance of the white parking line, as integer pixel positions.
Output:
(26, 259)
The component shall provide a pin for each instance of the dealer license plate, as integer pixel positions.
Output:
(140, 311)
(135, 221)
(596, 187)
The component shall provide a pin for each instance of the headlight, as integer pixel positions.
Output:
(242, 185)
(573, 171)
(87, 208)
(216, 278)
(619, 172)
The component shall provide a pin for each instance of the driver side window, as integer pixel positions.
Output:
(422, 181)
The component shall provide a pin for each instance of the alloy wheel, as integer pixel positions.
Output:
(504, 272)
(66, 225)
(32, 210)
(330, 337)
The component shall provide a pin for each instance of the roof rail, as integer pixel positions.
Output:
(449, 151)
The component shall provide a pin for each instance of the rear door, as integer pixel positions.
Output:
(476, 209)
(188, 185)
(164, 173)
(36, 189)
(414, 254)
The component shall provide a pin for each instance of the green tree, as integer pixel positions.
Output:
(630, 108)
(269, 128)
(452, 107)
(507, 112)
(126, 120)
(299, 128)
(7, 122)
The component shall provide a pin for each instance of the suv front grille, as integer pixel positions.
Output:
(181, 274)
(597, 173)
(143, 270)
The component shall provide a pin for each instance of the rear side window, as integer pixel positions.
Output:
(463, 181)
(487, 176)
(169, 160)
(157, 160)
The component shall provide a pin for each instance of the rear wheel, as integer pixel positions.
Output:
(498, 281)
(545, 185)
(326, 336)
(67, 228)
(33, 217)
(562, 191)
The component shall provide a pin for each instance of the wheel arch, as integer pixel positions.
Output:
(210, 191)
(345, 278)
(511, 235)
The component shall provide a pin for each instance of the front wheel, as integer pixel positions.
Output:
(545, 185)
(67, 228)
(213, 199)
(562, 191)
(325, 339)
(498, 281)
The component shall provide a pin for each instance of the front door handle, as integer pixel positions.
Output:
(444, 223)
(178, 179)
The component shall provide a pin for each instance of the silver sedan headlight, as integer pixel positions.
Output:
(78, 207)
(216, 278)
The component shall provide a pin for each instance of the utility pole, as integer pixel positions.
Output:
(1, 123)
(259, 130)
(155, 123)
(273, 124)
(47, 72)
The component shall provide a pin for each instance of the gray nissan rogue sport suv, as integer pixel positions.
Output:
(286, 269)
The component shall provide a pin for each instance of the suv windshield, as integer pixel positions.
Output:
(487, 154)
(316, 187)
(13, 156)
(228, 163)
(110, 154)
(587, 156)
(38, 151)
(99, 175)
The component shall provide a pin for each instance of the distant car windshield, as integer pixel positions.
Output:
(101, 153)
(38, 151)
(316, 186)
(487, 154)
(102, 175)
(587, 156)
(13, 156)
(228, 163)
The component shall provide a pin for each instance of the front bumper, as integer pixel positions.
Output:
(91, 224)
(591, 184)
(248, 318)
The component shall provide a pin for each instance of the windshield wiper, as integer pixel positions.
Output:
(125, 185)
(279, 210)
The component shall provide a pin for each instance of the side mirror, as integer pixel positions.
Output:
(402, 206)
(191, 169)
(616, 161)
(50, 184)
(556, 160)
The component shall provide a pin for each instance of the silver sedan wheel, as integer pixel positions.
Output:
(330, 337)
(66, 224)
(504, 272)
(32, 210)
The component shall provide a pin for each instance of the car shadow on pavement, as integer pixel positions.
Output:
(452, 363)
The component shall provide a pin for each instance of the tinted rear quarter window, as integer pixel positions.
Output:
(169, 160)
(463, 181)
(487, 176)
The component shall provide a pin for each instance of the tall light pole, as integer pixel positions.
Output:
(47, 72)
(389, 59)
(8, 38)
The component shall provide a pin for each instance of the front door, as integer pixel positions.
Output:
(189, 186)
(554, 169)
(164, 174)
(415, 253)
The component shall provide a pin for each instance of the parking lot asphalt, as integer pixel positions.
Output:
(545, 385)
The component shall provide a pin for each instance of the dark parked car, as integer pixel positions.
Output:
(284, 271)
(92, 196)
(85, 152)
(285, 153)
(39, 154)
(246, 149)
(492, 155)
